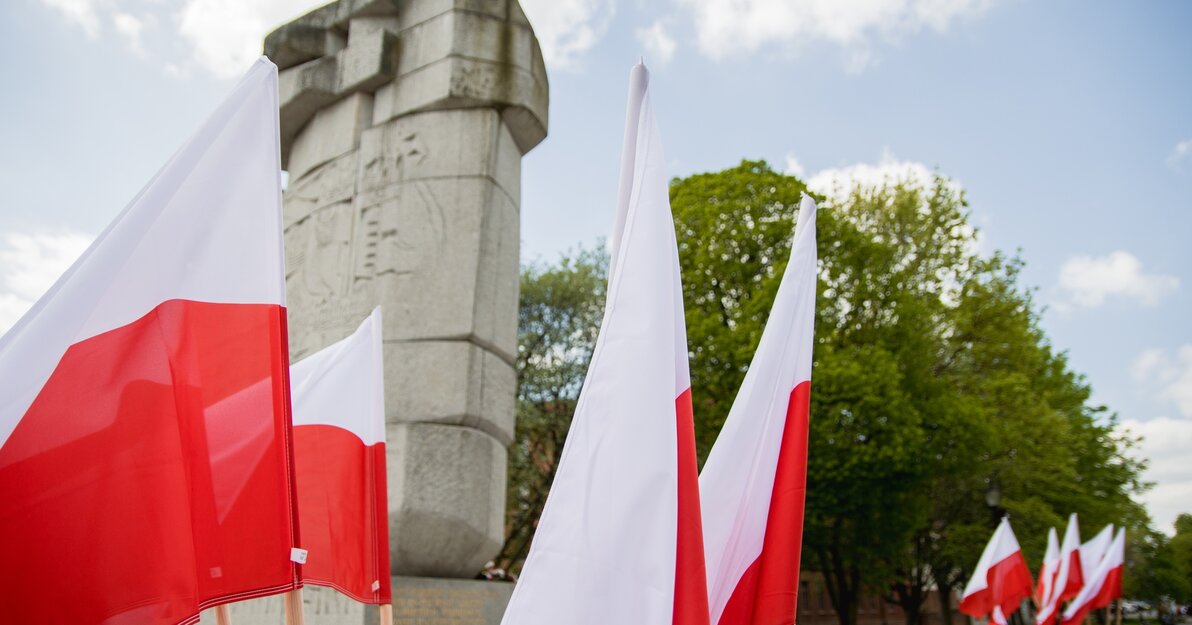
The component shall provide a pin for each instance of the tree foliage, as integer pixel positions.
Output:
(558, 319)
(938, 403)
(935, 392)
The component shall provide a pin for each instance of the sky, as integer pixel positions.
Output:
(1068, 124)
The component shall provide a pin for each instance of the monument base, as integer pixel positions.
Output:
(416, 601)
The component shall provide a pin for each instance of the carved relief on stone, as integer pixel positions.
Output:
(390, 164)
(320, 246)
(330, 183)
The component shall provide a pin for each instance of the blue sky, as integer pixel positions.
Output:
(1068, 123)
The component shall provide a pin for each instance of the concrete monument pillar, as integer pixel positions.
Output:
(403, 124)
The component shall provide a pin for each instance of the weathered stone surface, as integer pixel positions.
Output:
(428, 601)
(440, 255)
(446, 499)
(440, 144)
(471, 387)
(417, 56)
(336, 133)
(403, 124)
(416, 601)
(321, 606)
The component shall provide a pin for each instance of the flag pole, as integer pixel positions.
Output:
(222, 615)
(386, 612)
(293, 601)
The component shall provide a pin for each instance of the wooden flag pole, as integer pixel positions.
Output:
(222, 615)
(294, 614)
(386, 612)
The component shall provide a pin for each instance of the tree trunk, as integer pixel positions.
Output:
(843, 582)
(945, 596)
(910, 597)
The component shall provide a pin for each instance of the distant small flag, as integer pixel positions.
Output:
(339, 458)
(1070, 576)
(1093, 551)
(1067, 577)
(1001, 578)
(1051, 566)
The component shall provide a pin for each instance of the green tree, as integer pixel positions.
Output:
(1153, 571)
(559, 316)
(1181, 555)
(936, 394)
(938, 403)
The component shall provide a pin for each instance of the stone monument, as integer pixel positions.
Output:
(403, 125)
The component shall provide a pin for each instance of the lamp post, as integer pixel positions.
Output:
(993, 499)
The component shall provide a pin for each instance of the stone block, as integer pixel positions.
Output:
(299, 42)
(451, 383)
(440, 144)
(446, 498)
(441, 254)
(334, 131)
(302, 91)
(369, 61)
(463, 83)
(333, 182)
(431, 601)
(497, 281)
(426, 43)
(414, 13)
(444, 252)
(416, 601)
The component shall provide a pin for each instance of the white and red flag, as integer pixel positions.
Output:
(1051, 566)
(1001, 579)
(753, 485)
(145, 457)
(1103, 586)
(1067, 577)
(339, 461)
(1093, 551)
(619, 540)
(1070, 576)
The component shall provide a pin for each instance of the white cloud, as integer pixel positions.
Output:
(82, 12)
(726, 28)
(226, 35)
(658, 43)
(1179, 152)
(839, 182)
(1170, 376)
(568, 28)
(793, 166)
(1165, 445)
(29, 265)
(130, 27)
(1088, 281)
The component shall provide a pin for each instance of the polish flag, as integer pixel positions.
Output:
(145, 457)
(1068, 577)
(619, 540)
(1001, 579)
(1103, 586)
(1051, 566)
(339, 461)
(753, 484)
(1093, 551)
